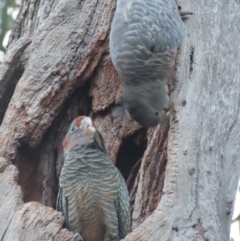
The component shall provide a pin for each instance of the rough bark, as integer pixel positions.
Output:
(203, 164)
(30, 221)
(182, 176)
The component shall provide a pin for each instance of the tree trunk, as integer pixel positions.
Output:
(182, 176)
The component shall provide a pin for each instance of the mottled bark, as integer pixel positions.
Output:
(182, 176)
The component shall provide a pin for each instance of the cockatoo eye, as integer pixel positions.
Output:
(156, 113)
(73, 128)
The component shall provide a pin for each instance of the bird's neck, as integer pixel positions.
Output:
(86, 156)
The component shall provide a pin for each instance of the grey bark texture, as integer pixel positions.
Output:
(182, 176)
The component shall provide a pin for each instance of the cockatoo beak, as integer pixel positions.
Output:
(86, 124)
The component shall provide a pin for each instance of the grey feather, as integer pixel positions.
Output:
(143, 40)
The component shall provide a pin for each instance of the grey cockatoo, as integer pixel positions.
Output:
(144, 37)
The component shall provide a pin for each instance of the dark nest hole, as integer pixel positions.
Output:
(31, 174)
(39, 167)
(130, 154)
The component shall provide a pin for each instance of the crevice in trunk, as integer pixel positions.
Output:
(130, 152)
(8, 90)
(30, 175)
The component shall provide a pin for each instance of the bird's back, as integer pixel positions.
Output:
(141, 32)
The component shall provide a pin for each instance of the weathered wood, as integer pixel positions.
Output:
(151, 175)
(65, 50)
(10, 195)
(203, 147)
(36, 222)
(30, 221)
(9, 72)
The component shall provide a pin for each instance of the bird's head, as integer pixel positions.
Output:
(148, 107)
(147, 116)
(82, 133)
